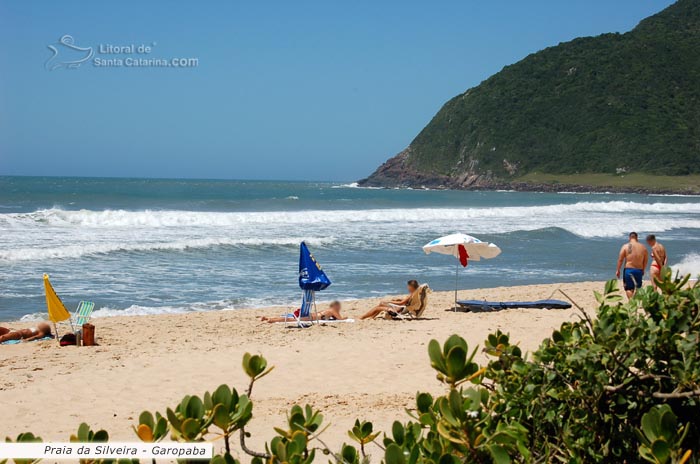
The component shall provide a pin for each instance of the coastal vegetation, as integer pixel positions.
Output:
(611, 104)
(621, 387)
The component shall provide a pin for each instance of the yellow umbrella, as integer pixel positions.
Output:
(57, 311)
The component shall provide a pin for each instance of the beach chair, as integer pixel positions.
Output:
(83, 313)
(303, 317)
(417, 305)
(59, 314)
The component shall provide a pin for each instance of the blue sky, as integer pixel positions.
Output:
(282, 90)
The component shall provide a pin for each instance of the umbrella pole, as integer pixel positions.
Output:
(456, 284)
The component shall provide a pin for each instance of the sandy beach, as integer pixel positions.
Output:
(367, 369)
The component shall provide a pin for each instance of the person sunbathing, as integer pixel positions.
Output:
(40, 331)
(330, 314)
(396, 306)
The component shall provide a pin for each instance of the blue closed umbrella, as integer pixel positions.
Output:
(311, 280)
(311, 276)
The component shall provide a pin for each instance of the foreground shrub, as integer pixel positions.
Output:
(623, 388)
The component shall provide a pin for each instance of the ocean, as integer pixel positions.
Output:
(151, 246)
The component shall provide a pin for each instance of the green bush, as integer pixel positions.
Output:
(623, 388)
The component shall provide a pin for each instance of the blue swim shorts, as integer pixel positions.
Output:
(632, 279)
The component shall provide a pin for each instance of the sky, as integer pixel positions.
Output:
(281, 90)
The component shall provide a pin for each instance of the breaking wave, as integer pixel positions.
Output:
(173, 218)
(77, 251)
(690, 264)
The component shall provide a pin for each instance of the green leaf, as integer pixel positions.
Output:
(436, 357)
(195, 408)
(100, 436)
(254, 365)
(146, 418)
(499, 454)
(394, 455)
(424, 401)
(349, 454)
(221, 416)
(190, 429)
(661, 451)
(456, 360)
(398, 432)
(222, 395)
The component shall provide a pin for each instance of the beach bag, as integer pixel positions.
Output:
(68, 339)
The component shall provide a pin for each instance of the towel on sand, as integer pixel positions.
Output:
(14, 342)
(478, 305)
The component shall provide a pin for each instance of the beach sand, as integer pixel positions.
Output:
(368, 369)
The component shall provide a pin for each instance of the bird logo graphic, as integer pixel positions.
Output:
(65, 54)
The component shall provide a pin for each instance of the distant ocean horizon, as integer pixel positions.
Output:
(152, 246)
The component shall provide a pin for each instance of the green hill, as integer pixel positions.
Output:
(611, 104)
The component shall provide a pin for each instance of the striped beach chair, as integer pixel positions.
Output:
(83, 313)
(302, 318)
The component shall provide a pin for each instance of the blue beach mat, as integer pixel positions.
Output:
(15, 342)
(483, 306)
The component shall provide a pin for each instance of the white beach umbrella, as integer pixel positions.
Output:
(463, 247)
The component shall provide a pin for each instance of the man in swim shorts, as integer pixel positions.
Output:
(635, 257)
(658, 258)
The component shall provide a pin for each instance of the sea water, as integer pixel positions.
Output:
(150, 246)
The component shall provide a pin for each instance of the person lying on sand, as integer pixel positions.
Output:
(40, 331)
(330, 314)
(397, 305)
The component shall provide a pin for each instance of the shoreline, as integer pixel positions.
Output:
(367, 369)
(321, 300)
(535, 188)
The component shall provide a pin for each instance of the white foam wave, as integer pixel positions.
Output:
(155, 219)
(141, 310)
(138, 310)
(355, 185)
(689, 264)
(76, 251)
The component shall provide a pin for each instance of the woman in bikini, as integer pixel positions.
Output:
(658, 258)
(397, 305)
(40, 331)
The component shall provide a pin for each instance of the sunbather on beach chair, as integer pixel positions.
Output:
(412, 305)
(330, 314)
(40, 331)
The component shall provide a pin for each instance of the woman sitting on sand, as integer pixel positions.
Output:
(40, 331)
(330, 314)
(397, 305)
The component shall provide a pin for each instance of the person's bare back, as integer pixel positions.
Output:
(658, 254)
(658, 258)
(635, 255)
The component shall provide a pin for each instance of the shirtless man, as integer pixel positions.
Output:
(396, 305)
(330, 314)
(40, 331)
(658, 258)
(635, 256)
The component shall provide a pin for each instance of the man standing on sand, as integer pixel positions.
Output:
(635, 256)
(658, 258)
